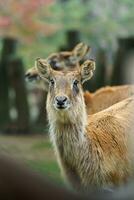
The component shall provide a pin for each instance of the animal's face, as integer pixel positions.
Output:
(65, 87)
(60, 61)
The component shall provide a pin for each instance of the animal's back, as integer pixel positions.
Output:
(107, 96)
(111, 133)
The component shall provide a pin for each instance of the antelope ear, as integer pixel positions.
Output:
(87, 69)
(80, 51)
(43, 68)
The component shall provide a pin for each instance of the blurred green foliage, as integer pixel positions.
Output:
(41, 28)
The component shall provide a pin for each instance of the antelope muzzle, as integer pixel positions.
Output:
(61, 102)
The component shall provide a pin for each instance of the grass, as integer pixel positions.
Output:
(42, 145)
(49, 168)
(34, 151)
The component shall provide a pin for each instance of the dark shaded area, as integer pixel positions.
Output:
(26, 184)
(125, 46)
(72, 39)
(17, 83)
(12, 78)
(9, 48)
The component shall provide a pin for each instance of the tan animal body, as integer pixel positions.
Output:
(106, 96)
(95, 150)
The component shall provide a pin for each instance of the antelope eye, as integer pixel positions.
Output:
(75, 86)
(52, 81)
(55, 64)
(75, 83)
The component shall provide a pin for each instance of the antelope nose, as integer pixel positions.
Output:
(61, 100)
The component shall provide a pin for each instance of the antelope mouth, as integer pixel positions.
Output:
(61, 107)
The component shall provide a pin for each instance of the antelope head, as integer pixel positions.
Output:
(59, 61)
(65, 94)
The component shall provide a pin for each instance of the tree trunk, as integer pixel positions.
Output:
(101, 67)
(73, 38)
(42, 118)
(9, 47)
(19, 87)
(99, 78)
(125, 47)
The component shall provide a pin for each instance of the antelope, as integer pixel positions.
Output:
(92, 150)
(67, 60)
(59, 61)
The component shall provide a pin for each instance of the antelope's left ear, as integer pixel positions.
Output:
(80, 50)
(87, 69)
(43, 68)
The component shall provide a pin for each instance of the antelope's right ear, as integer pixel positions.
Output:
(43, 68)
(87, 69)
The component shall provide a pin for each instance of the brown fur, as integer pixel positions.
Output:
(106, 96)
(95, 150)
